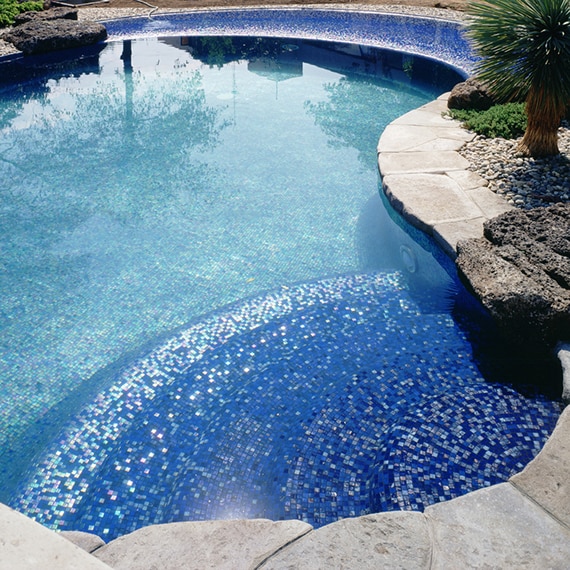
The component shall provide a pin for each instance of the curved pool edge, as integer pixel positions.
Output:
(420, 34)
(439, 39)
(427, 181)
(523, 522)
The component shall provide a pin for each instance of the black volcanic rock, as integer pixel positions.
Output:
(41, 36)
(470, 94)
(520, 270)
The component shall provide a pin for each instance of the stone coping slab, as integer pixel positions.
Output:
(496, 527)
(231, 545)
(427, 181)
(546, 479)
(398, 540)
(27, 545)
(427, 199)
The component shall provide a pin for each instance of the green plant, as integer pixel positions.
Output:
(507, 121)
(525, 56)
(9, 9)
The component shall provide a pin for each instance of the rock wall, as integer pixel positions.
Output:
(520, 270)
(52, 31)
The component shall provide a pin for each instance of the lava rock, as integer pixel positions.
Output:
(520, 270)
(41, 36)
(470, 94)
(62, 13)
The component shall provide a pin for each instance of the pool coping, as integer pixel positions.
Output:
(429, 183)
(524, 522)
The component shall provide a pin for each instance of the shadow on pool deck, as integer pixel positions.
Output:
(523, 523)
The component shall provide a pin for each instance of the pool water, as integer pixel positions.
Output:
(207, 309)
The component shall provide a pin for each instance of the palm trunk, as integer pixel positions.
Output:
(543, 120)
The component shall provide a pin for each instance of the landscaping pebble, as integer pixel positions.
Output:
(524, 182)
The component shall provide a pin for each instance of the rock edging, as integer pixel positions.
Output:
(516, 262)
(520, 270)
(54, 30)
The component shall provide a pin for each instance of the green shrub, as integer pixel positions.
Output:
(507, 121)
(524, 49)
(9, 9)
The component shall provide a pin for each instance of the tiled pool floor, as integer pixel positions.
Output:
(317, 402)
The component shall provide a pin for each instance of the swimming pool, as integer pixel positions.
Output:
(209, 311)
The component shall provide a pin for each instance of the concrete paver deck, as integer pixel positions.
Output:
(27, 545)
(427, 181)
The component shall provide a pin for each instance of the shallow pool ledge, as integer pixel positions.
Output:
(428, 181)
(523, 523)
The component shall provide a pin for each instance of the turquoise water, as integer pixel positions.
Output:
(160, 180)
(136, 200)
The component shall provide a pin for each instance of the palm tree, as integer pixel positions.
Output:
(525, 55)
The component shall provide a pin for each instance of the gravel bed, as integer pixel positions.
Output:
(523, 181)
(100, 14)
(5, 47)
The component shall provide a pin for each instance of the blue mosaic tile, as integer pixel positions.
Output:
(438, 39)
(317, 402)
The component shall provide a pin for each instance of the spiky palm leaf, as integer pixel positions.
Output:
(525, 55)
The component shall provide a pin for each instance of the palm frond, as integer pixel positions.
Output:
(522, 43)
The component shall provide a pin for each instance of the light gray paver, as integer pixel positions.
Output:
(421, 162)
(429, 199)
(546, 479)
(427, 181)
(388, 540)
(27, 545)
(396, 138)
(231, 545)
(431, 114)
(447, 234)
(488, 202)
(85, 540)
(496, 527)
(468, 180)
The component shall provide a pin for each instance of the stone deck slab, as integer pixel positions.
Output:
(223, 545)
(399, 540)
(421, 162)
(546, 479)
(496, 527)
(27, 545)
(426, 200)
(421, 138)
(432, 188)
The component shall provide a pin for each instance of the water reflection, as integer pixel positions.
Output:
(131, 208)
